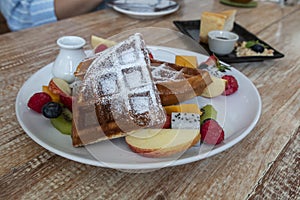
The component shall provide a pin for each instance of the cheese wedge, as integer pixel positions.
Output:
(216, 21)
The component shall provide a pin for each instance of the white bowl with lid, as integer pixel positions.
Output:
(222, 42)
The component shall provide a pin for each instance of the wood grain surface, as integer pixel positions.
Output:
(275, 185)
(264, 165)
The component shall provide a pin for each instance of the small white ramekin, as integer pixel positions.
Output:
(222, 42)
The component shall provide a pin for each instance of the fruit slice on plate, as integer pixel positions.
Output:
(208, 112)
(67, 101)
(181, 120)
(231, 85)
(162, 142)
(96, 41)
(216, 88)
(212, 132)
(38, 100)
(186, 61)
(54, 97)
(188, 108)
(63, 123)
(59, 86)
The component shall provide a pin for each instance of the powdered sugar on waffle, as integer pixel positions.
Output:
(164, 73)
(121, 76)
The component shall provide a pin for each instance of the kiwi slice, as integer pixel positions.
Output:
(208, 112)
(67, 114)
(63, 123)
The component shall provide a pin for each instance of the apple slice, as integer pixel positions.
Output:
(215, 88)
(96, 41)
(59, 86)
(162, 142)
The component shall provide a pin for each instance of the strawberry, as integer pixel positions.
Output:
(211, 132)
(231, 85)
(150, 56)
(168, 122)
(38, 100)
(212, 60)
(67, 101)
(100, 48)
(215, 62)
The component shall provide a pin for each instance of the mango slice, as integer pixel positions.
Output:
(186, 61)
(187, 108)
(54, 97)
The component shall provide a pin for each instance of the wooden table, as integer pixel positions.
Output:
(264, 165)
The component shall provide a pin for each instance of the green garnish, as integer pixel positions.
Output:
(221, 67)
(251, 43)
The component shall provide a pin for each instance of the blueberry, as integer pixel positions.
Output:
(258, 48)
(52, 110)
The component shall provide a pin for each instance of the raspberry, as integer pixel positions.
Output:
(38, 100)
(231, 85)
(211, 132)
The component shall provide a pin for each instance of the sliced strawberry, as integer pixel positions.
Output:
(231, 85)
(67, 101)
(211, 132)
(168, 122)
(150, 56)
(100, 48)
(38, 100)
(212, 60)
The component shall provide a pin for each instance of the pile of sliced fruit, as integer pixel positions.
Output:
(186, 124)
(54, 103)
(189, 116)
(222, 84)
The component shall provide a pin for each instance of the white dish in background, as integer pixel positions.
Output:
(148, 14)
(238, 113)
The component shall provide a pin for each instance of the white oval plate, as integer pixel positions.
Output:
(146, 15)
(237, 113)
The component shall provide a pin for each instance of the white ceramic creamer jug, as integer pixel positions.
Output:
(70, 55)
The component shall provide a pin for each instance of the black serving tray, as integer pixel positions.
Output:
(192, 28)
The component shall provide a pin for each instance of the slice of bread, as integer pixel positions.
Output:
(216, 21)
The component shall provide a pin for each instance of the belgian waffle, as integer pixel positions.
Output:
(177, 83)
(116, 94)
(174, 83)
